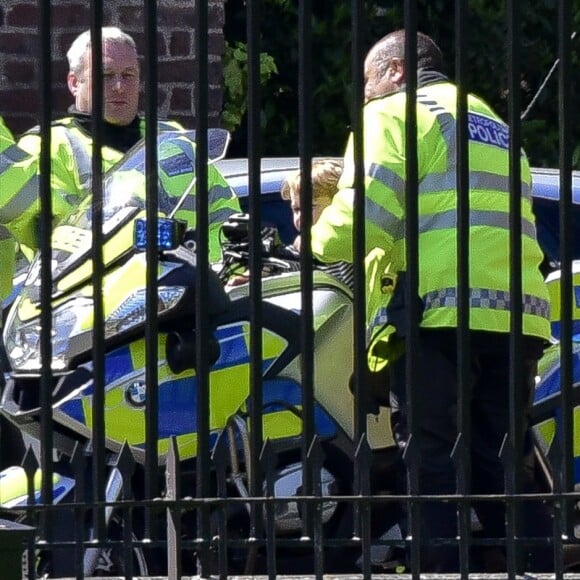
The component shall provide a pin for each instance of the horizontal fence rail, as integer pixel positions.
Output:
(186, 393)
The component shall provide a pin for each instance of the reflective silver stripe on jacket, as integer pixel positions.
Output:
(21, 201)
(447, 125)
(221, 215)
(478, 180)
(384, 219)
(218, 216)
(11, 155)
(488, 299)
(82, 156)
(389, 179)
(492, 219)
(216, 193)
(167, 126)
(435, 183)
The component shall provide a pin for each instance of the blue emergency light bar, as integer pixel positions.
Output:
(170, 233)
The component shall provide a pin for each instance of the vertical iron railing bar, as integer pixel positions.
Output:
(357, 66)
(361, 476)
(203, 463)
(566, 119)
(462, 450)
(126, 466)
(515, 440)
(256, 318)
(78, 463)
(45, 169)
(127, 532)
(30, 465)
(305, 120)
(221, 461)
(98, 414)
(316, 460)
(152, 257)
(174, 513)
(412, 273)
(268, 462)
(363, 507)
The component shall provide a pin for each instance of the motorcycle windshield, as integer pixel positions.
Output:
(124, 196)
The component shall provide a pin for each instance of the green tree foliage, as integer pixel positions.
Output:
(235, 67)
(330, 61)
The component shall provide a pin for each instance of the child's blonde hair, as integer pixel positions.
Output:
(325, 176)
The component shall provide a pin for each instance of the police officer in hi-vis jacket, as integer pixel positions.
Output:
(72, 141)
(489, 285)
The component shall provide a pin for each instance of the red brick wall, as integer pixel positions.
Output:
(19, 46)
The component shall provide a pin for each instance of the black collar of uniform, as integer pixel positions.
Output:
(119, 137)
(427, 76)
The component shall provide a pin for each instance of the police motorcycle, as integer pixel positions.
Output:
(551, 423)
(125, 389)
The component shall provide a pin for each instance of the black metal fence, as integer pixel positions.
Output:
(261, 449)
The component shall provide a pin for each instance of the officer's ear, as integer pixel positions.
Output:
(73, 82)
(397, 70)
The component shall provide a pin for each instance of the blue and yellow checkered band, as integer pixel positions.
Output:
(486, 298)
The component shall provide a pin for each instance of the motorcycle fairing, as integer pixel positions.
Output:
(126, 394)
(553, 281)
(14, 487)
(547, 431)
(549, 371)
(547, 412)
(282, 401)
(75, 312)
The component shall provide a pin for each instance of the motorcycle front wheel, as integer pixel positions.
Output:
(231, 551)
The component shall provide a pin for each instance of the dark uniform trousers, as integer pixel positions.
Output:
(435, 358)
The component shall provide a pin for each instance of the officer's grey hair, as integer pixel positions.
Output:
(393, 46)
(80, 46)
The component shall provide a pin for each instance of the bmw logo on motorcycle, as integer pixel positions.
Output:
(136, 394)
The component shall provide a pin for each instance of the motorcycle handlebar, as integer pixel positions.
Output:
(276, 257)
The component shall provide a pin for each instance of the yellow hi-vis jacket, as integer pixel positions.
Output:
(18, 174)
(72, 154)
(6, 138)
(71, 171)
(176, 160)
(489, 198)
